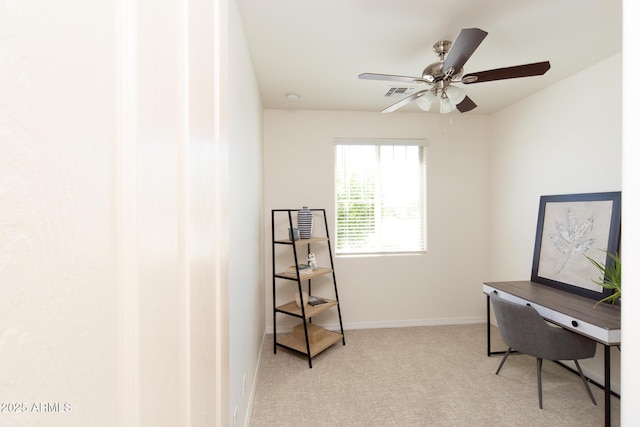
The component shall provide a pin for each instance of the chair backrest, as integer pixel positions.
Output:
(522, 328)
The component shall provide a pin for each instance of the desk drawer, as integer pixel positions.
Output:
(544, 312)
(584, 328)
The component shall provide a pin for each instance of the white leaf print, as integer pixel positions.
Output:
(560, 245)
(581, 248)
(585, 228)
(572, 221)
(570, 238)
(564, 232)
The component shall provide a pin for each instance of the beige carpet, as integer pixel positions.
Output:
(420, 376)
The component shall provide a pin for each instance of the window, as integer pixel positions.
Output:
(381, 188)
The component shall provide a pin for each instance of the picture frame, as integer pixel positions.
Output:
(570, 228)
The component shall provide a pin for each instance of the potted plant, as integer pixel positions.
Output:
(611, 277)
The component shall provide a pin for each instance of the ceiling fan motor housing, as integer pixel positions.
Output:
(433, 72)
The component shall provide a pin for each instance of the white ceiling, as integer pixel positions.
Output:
(317, 48)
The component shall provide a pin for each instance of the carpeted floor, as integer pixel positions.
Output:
(419, 376)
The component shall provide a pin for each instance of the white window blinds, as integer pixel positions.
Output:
(381, 196)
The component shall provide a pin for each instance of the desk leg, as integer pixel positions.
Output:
(488, 329)
(607, 386)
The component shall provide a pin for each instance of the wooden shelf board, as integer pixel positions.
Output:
(309, 310)
(303, 241)
(320, 271)
(294, 343)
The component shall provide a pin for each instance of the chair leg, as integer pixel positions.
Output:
(540, 382)
(584, 381)
(503, 360)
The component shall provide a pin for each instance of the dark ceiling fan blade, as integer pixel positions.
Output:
(404, 101)
(466, 105)
(462, 49)
(528, 70)
(403, 79)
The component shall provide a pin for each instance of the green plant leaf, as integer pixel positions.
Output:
(611, 276)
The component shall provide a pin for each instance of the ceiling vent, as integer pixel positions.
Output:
(399, 91)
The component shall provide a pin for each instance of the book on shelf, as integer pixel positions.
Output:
(302, 269)
(313, 301)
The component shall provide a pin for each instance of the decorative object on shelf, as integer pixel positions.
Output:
(295, 235)
(312, 261)
(305, 298)
(611, 277)
(305, 222)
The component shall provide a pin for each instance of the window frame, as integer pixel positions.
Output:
(380, 142)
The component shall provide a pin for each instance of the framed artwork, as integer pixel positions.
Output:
(572, 227)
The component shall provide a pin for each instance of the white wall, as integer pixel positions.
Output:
(631, 209)
(246, 285)
(112, 184)
(554, 142)
(392, 290)
(58, 342)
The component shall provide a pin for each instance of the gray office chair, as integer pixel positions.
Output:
(525, 331)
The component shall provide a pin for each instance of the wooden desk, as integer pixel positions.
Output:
(570, 311)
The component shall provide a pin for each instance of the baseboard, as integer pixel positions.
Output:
(252, 394)
(395, 323)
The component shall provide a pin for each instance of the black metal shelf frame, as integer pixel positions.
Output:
(299, 279)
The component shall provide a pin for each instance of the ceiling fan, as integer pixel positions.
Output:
(440, 75)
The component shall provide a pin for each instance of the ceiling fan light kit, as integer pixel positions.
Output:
(425, 101)
(446, 105)
(453, 56)
(455, 94)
